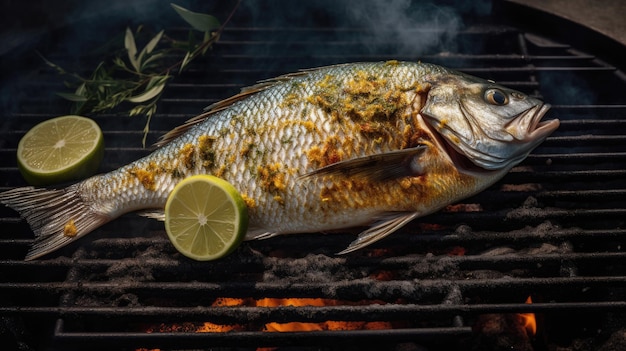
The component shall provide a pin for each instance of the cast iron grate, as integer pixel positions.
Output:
(552, 229)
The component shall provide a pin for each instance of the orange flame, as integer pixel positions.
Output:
(529, 320)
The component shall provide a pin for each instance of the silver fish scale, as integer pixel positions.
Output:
(263, 143)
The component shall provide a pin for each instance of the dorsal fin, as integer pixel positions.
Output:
(180, 130)
(209, 111)
(224, 104)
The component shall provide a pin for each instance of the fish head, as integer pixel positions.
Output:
(492, 126)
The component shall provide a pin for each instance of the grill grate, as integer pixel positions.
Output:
(551, 229)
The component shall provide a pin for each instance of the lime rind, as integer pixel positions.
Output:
(206, 227)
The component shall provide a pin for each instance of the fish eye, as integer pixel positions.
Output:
(496, 97)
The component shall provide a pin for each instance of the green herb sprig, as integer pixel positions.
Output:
(138, 79)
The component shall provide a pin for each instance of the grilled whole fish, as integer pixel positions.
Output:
(356, 144)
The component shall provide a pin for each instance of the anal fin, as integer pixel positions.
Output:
(385, 227)
(255, 233)
(159, 215)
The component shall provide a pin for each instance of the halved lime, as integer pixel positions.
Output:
(60, 149)
(205, 217)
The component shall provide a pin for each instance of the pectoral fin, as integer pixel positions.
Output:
(379, 167)
(386, 226)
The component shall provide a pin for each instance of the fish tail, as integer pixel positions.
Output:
(56, 216)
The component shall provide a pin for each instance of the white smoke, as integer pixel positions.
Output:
(370, 27)
(415, 27)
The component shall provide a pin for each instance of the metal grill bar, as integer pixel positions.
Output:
(386, 291)
(254, 339)
(284, 314)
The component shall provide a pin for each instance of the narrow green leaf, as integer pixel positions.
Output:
(154, 57)
(53, 65)
(207, 38)
(148, 49)
(191, 40)
(72, 97)
(146, 128)
(163, 79)
(153, 42)
(186, 60)
(100, 73)
(129, 42)
(199, 21)
(148, 94)
(120, 63)
(131, 48)
(156, 80)
(81, 90)
(137, 110)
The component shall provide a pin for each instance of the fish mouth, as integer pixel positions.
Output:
(529, 127)
(542, 129)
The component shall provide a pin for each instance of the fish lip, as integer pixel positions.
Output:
(539, 129)
(536, 129)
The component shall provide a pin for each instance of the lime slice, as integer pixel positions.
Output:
(60, 149)
(205, 217)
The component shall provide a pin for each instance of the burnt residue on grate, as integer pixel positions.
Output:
(551, 230)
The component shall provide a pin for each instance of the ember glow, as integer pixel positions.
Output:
(327, 325)
(209, 327)
(291, 326)
(189, 327)
(529, 320)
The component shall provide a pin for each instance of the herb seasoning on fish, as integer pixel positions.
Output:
(327, 148)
